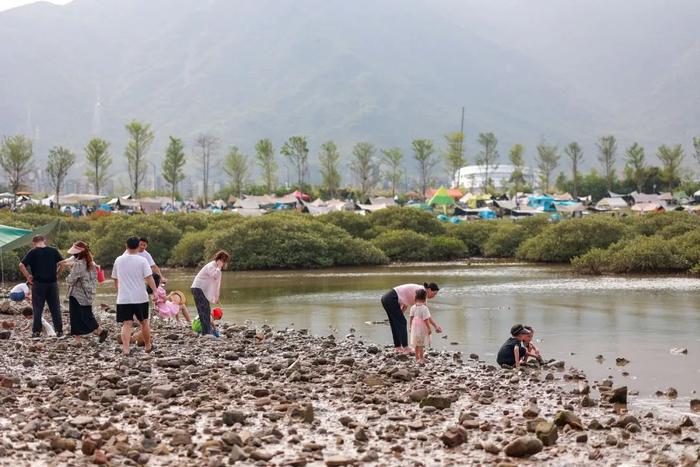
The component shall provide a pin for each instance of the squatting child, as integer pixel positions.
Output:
(513, 351)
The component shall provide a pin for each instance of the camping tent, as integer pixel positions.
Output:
(643, 208)
(441, 198)
(609, 204)
(453, 192)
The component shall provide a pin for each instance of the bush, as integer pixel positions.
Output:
(403, 245)
(593, 262)
(189, 251)
(396, 218)
(446, 248)
(474, 234)
(638, 255)
(357, 225)
(10, 261)
(565, 240)
(189, 221)
(288, 241)
(652, 224)
(504, 241)
(110, 234)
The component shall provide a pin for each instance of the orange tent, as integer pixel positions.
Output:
(453, 192)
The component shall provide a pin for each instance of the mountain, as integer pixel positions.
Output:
(385, 72)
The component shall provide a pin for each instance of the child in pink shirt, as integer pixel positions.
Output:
(419, 323)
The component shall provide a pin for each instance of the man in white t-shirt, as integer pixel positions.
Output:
(130, 272)
(143, 244)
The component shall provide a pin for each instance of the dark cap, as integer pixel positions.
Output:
(518, 329)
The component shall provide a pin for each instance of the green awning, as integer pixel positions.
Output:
(12, 237)
(9, 234)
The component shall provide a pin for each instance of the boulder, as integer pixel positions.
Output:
(454, 436)
(695, 405)
(418, 395)
(566, 417)
(531, 411)
(438, 402)
(547, 433)
(524, 446)
(616, 396)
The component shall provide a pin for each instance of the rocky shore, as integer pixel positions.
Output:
(262, 396)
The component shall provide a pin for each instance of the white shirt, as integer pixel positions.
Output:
(22, 287)
(144, 254)
(131, 270)
(209, 280)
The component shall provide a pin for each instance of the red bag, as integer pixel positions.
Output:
(100, 274)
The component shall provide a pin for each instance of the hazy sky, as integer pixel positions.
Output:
(7, 4)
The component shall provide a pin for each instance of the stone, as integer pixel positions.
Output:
(231, 438)
(361, 435)
(491, 448)
(454, 436)
(582, 438)
(82, 420)
(547, 433)
(586, 401)
(308, 415)
(671, 393)
(260, 455)
(180, 438)
(616, 396)
(340, 461)
(252, 368)
(531, 411)
(63, 444)
(595, 425)
(88, 447)
(100, 457)
(418, 395)
(5, 335)
(165, 390)
(695, 405)
(438, 402)
(261, 392)
(523, 446)
(633, 428)
(373, 350)
(108, 396)
(625, 420)
(231, 417)
(402, 375)
(566, 417)
(611, 440)
(686, 422)
(621, 361)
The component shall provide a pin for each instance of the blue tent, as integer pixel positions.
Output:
(487, 214)
(545, 202)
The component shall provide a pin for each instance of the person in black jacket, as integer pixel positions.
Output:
(512, 352)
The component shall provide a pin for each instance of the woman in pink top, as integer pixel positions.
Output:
(396, 302)
(206, 286)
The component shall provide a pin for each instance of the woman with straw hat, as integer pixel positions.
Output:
(82, 285)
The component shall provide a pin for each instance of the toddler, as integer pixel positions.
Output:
(178, 298)
(513, 352)
(530, 348)
(419, 323)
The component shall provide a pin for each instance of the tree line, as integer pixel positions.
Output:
(368, 165)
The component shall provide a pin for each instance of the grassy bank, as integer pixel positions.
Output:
(594, 245)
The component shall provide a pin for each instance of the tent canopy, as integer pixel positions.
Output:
(9, 234)
(441, 197)
(453, 192)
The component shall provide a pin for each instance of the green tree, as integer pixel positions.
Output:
(424, 153)
(671, 159)
(575, 154)
(140, 139)
(236, 166)
(517, 177)
(296, 149)
(487, 158)
(547, 161)
(265, 158)
(206, 145)
(454, 155)
(16, 159)
(634, 166)
(60, 162)
(98, 161)
(696, 148)
(607, 148)
(391, 160)
(364, 167)
(328, 159)
(172, 165)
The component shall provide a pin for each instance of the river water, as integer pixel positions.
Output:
(575, 317)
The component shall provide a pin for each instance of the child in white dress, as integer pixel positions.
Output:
(419, 323)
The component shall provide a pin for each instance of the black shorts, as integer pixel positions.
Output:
(128, 311)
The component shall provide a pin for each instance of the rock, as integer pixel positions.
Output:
(361, 434)
(671, 393)
(625, 420)
(100, 458)
(339, 461)
(582, 438)
(402, 375)
(261, 392)
(165, 390)
(491, 448)
(231, 438)
(616, 396)
(5, 335)
(524, 446)
(566, 417)
(473, 356)
(418, 395)
(621, 361)
(547, 433)
(88, 447)
(586, 401)
(308, 415)
(232, 417)
(454, 436)
(180, 438)
(611, 440)
(595, 425)
(82, 420)
(370, 456)
(695, 405)
(347, 361)
(686, 422)
(633, 428)
(373, 350)
(63, 444)
(531, 411)
(436, 401)
(260, 455)
(108, 396)
(252, 368)
(679, 351)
